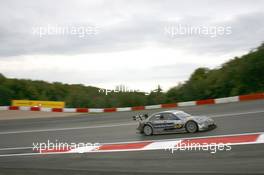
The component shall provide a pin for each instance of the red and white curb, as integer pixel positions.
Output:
(137, 108)
(237, 139)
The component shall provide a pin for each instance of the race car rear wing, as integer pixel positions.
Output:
(140, 117)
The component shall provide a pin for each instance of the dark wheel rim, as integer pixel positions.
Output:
(147, 130)
(191, 127)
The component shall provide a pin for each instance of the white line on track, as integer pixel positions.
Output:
(115, 125)
(20, 154)
(15, 148)
(65, 129)
(35, 154)
(236, 114)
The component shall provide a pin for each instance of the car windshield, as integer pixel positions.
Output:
(182, 114)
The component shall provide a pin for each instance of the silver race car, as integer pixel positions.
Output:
(171, 122)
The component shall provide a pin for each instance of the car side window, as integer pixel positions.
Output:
(155, 117)
(178, 118)
(170, 116)
(164, 116)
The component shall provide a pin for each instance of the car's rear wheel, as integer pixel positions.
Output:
(191, 127)
(148, 130)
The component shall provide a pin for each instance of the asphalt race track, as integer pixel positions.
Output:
(17, 137)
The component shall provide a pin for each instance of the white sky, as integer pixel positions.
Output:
(130, 47)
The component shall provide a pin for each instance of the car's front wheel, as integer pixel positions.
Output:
(148, 130)
(191, 127)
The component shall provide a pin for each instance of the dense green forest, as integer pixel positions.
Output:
(241, 75)
(238, 76)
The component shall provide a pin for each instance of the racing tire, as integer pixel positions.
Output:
(148, 130)
(191, 127)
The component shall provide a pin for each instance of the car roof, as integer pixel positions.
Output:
(169, 111)
(172, 111)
